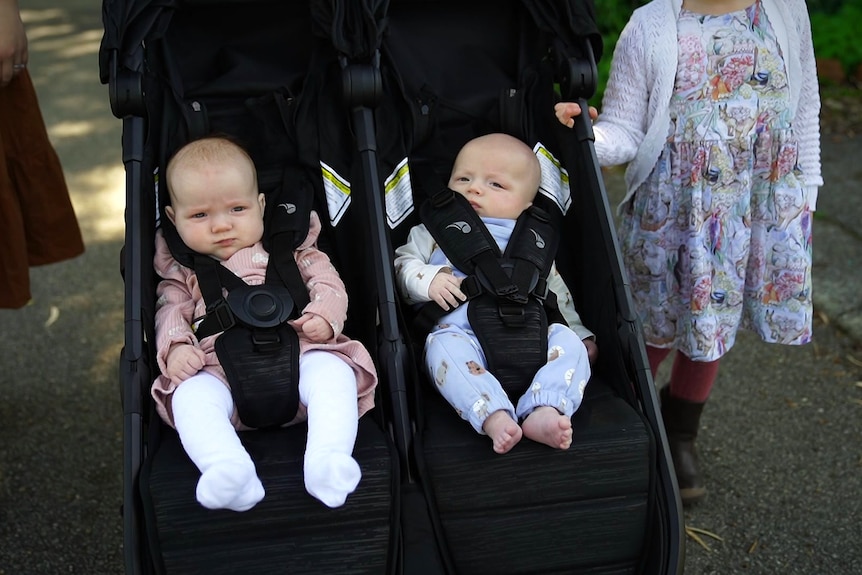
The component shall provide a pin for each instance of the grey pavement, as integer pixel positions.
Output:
(781, 436)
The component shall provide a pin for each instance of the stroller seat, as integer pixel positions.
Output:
(288, 529)
(591, 501)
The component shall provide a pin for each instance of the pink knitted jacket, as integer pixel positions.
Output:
(180, 300)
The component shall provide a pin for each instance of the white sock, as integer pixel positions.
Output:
(327, 386)
(202, 407)
(331, 477)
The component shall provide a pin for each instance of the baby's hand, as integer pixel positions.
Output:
(566, 112)
(183, 361)
(446, 291)
(315, 327)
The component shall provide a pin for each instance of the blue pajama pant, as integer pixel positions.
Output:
(458, 368)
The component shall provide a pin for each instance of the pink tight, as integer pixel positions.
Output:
(689, 380)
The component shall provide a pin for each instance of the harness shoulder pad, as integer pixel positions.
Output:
(539, 239)
(456, 227)
(287, 212)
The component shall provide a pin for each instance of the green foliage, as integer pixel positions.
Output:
(830, 6)
(611, 16)
(836, 34)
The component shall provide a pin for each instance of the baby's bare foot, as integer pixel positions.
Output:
(503, 431)
(547, 425)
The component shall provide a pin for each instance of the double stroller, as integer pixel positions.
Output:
(357, 108)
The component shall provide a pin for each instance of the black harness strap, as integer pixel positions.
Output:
(212, 277)
(468, 244)
(258, 350)
(508, 292)
(471, 248)
(286, 224)
(533, 255)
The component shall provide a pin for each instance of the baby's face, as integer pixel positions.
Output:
(496, 182)
(217, 209)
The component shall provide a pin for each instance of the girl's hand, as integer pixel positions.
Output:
(566, 112)
(183, 361)
(315, 327)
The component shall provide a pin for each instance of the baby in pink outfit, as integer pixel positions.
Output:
(218, 210)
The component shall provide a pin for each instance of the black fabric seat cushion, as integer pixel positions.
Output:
(289, 531)
(537, 509)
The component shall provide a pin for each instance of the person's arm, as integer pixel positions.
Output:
(413, 273)
(566, 305)
(806, 124)
(13, 41)
(177, 349)
(324, 316)
(622, 121)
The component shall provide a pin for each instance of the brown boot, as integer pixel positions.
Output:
(681, 422)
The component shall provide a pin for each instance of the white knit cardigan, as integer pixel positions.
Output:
(633, 123)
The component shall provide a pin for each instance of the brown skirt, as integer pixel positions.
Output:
(37, 221)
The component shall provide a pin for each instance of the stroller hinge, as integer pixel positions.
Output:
(577, 77)
(125, 90)
(362, 83)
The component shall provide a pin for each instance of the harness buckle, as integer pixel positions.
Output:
(222, 314)
(512, 314)
(265, 340)
(471, 286)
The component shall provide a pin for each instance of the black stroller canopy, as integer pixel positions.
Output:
(354, 28)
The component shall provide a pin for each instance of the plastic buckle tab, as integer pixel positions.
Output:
(472, 287)
(265, 340)
(222, 315)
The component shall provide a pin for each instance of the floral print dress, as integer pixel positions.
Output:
(719, 236)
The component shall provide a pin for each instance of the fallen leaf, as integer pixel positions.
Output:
(753, 546)
(53, 315)
(696, 532)
(704, 532)
(697, 539)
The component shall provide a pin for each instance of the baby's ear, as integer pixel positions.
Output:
(261, 197)
(169, 211)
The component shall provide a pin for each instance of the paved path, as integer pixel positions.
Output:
(781, 441)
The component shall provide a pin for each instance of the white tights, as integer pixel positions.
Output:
(202, 406)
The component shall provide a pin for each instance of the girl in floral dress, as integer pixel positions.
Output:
(714, 106)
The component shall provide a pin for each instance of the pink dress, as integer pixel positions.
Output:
(180, 301)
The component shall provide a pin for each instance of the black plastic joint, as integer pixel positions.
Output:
(362, 84)
(577, 79)
(125, 91)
